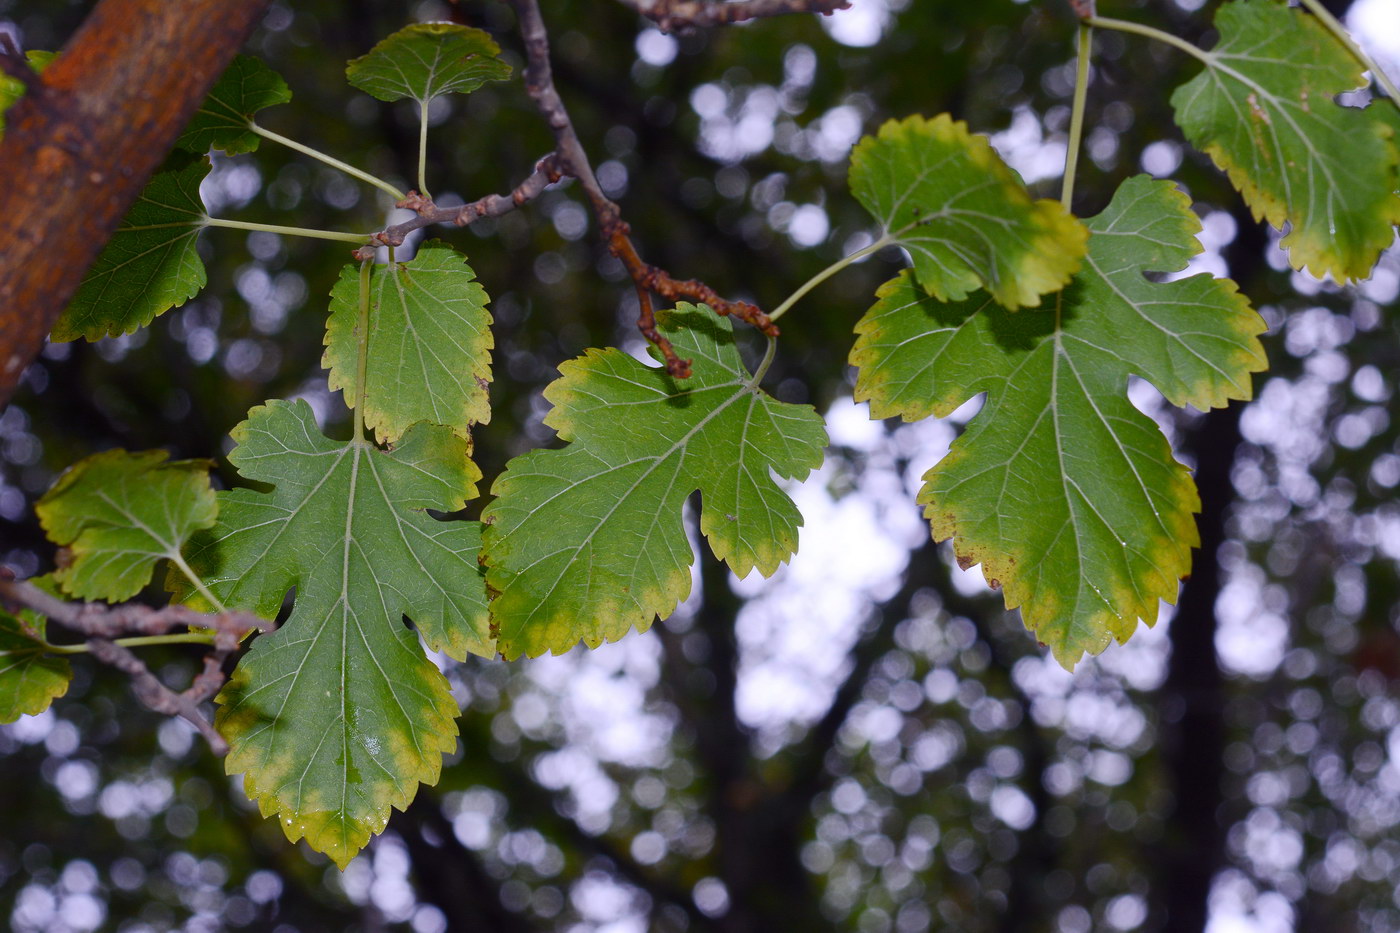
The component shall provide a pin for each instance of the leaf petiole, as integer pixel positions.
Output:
(423, 149)
(763, 365)
(329, 160)
(1122, 25)
(287, 231)
(1076, 122)
(137, 641)
(362, 357)
(828, 272)
(1344, 37)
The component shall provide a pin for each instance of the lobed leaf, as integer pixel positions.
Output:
(119, 513)
(427, 60)
(150, 265)
(587, 541)
(1264, 111)
(338, 715)
(223, 120)
(963, 214)
(429, 356)
(1065, 493)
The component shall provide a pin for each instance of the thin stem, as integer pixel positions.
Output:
(289, 231)
(1344, 37)
(329, 160)
(178, 560)
(763, 365)
(828, 272)
(1122, 25)
(1076, 122)
(362, 358)
(136, 641)
(423, 150)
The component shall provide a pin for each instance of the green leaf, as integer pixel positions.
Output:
(427, 60)
(1263, 110)
(150, 265)
(223, 120)
(339, 714)
(12, 89)
(30, 679)
(587, 542)
(119, 513)
(429, 342)
(1066, 494)
(964, 216)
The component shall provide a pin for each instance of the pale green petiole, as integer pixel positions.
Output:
(1122, 25)
(828, 272)
(423, 149)
(275, 228)
(137, 641)
(330, 160)
(1076, 122)
(362, 357)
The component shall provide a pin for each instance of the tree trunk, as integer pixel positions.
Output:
(85, 138)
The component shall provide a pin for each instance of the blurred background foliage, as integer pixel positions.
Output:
(867, 742)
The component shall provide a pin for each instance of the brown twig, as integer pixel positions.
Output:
(539, 83)
(102, 623)
(1084, 9)
(14, 64)
(671, 15)
(548, 170)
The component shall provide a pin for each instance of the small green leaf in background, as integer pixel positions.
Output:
(338, 715)
(30, 679)
(427, 60)
(587, 542)
(965, 217)
(1065, 493)
(222, 121)
(429, 356)
(119, 513)
(151, 264)
(1263, 110)
(12, 89)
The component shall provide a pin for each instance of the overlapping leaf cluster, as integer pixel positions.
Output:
(1067, 496)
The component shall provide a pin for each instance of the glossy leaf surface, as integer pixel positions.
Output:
(222, 121)
(1066, 494)
(427, 60)
(150, 265)
(119, 514)
(1263, 109)
(338, 715)
(965, 217)
(429, 355)
(587, 542)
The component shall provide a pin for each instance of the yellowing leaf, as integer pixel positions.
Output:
(338, 715)
(964, 216)
(1066, 494)
(429, 342)
(119, 513)
(1263, 110)
(587, 542)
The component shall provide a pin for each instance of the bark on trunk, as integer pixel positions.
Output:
(81, 144)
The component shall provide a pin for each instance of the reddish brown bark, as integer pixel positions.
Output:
(81, 144)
